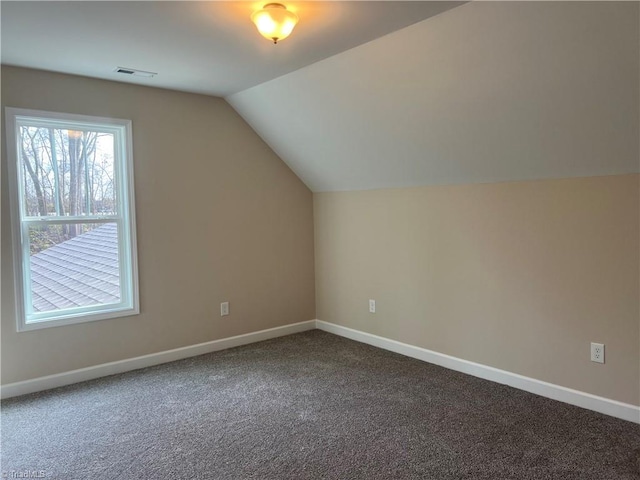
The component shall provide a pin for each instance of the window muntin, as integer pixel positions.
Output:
(73, 217)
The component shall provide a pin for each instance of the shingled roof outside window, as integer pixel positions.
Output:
(73, 219)
(79, 272)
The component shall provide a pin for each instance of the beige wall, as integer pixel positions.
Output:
(220, 217)
(520, 276)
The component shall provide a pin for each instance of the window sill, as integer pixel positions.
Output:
(76, 319)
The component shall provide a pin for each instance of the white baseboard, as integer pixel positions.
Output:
(607, 406)
(105, 369)
(613, 408)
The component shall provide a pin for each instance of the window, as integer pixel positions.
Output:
(71, 186)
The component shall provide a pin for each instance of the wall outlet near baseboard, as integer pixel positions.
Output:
(224, 309)
(597, 352)
(372, 306)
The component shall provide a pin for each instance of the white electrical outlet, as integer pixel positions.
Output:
(372, 306)
(597, 352)
(224, 309)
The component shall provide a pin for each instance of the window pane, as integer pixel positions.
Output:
(78, 263)
(73, 265)
(67, 172)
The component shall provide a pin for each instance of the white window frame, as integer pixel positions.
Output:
(124, 218)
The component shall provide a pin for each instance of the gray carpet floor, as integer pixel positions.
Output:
(309, 406)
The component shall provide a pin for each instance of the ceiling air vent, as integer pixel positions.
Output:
(133, 71)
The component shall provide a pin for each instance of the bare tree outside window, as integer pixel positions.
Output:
(66, 173)
(73, 218)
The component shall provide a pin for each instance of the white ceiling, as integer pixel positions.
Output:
(485, 92)
(203, 47)
(379, 94)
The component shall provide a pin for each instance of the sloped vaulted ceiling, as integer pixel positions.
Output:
(483, 92)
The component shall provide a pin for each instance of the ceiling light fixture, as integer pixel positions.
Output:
(274, 21)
